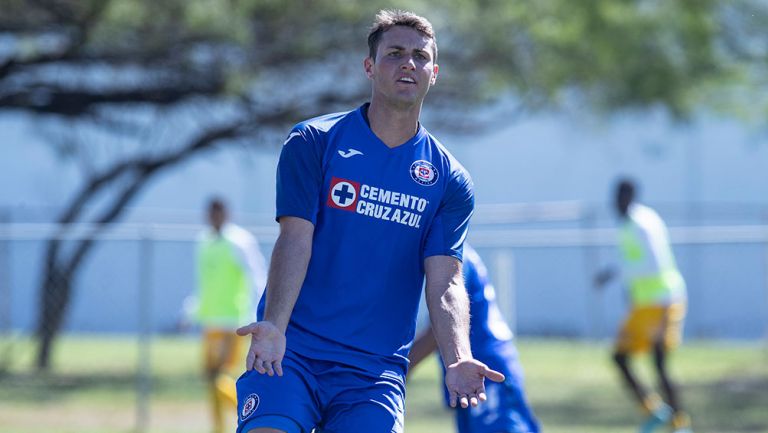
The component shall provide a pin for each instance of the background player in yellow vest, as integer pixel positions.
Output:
(231, 277)
(658, 298)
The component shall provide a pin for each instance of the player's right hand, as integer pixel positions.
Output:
(267, 348)
(602, 278)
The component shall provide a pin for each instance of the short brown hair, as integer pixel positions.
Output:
(388, 18)
(216, 204)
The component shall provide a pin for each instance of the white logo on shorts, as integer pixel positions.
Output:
(249, 407)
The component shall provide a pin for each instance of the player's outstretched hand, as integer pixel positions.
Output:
(267, 348)
(465, 381)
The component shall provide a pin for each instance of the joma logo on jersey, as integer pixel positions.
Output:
(376, 202)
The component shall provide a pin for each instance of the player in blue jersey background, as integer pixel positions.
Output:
(507, 409)
(369, 204)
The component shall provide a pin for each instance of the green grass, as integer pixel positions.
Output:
(572, 387)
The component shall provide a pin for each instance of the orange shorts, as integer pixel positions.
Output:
(222, 349)
(644, 326)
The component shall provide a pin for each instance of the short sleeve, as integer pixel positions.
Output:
(300, 175)
(449, 228)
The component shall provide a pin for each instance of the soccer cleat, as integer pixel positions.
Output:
(681, 423)
(658, 418)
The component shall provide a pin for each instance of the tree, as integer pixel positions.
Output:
(244, 69)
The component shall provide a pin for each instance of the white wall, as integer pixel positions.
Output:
(545, 158)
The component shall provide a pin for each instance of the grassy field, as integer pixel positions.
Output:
(571, 385)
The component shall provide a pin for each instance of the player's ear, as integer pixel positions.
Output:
(368, 66)
(435, 70)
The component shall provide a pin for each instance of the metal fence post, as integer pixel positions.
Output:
(765, 282)
(5, 277)
(595, 307)
(144, 373)
(504, 278)
(6, 294)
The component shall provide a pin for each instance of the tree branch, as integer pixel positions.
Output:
(73, 103)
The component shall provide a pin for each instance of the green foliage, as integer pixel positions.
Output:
(609, 53)
(605, 54)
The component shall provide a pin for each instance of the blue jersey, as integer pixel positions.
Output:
(488, 331)
(489, 335)
(378, 213)
(507, 408)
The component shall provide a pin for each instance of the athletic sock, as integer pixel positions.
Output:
(651, 403)
(681, 420)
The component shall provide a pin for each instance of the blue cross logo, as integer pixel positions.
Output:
(343, 194)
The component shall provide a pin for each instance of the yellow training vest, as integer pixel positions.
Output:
(225, 292)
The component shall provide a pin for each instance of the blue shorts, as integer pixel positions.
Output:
(506, 410)
(331, 397)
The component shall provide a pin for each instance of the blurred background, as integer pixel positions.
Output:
(119, 119)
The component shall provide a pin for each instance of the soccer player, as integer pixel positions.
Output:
(231, 271)
(658, 295)
(507, 409)
(369, 204)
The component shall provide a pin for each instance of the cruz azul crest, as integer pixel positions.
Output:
(424, 173)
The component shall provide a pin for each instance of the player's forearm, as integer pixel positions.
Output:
(287, 270)
(450, 323)
(448, 305)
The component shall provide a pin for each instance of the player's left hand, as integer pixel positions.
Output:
(465, 381)
(267, 348)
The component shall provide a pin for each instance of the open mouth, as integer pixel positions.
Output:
(406, 80)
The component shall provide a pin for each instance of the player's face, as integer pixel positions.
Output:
(623, 201)
(217, 217)
(404, 67)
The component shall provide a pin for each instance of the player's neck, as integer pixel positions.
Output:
(393, 126)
